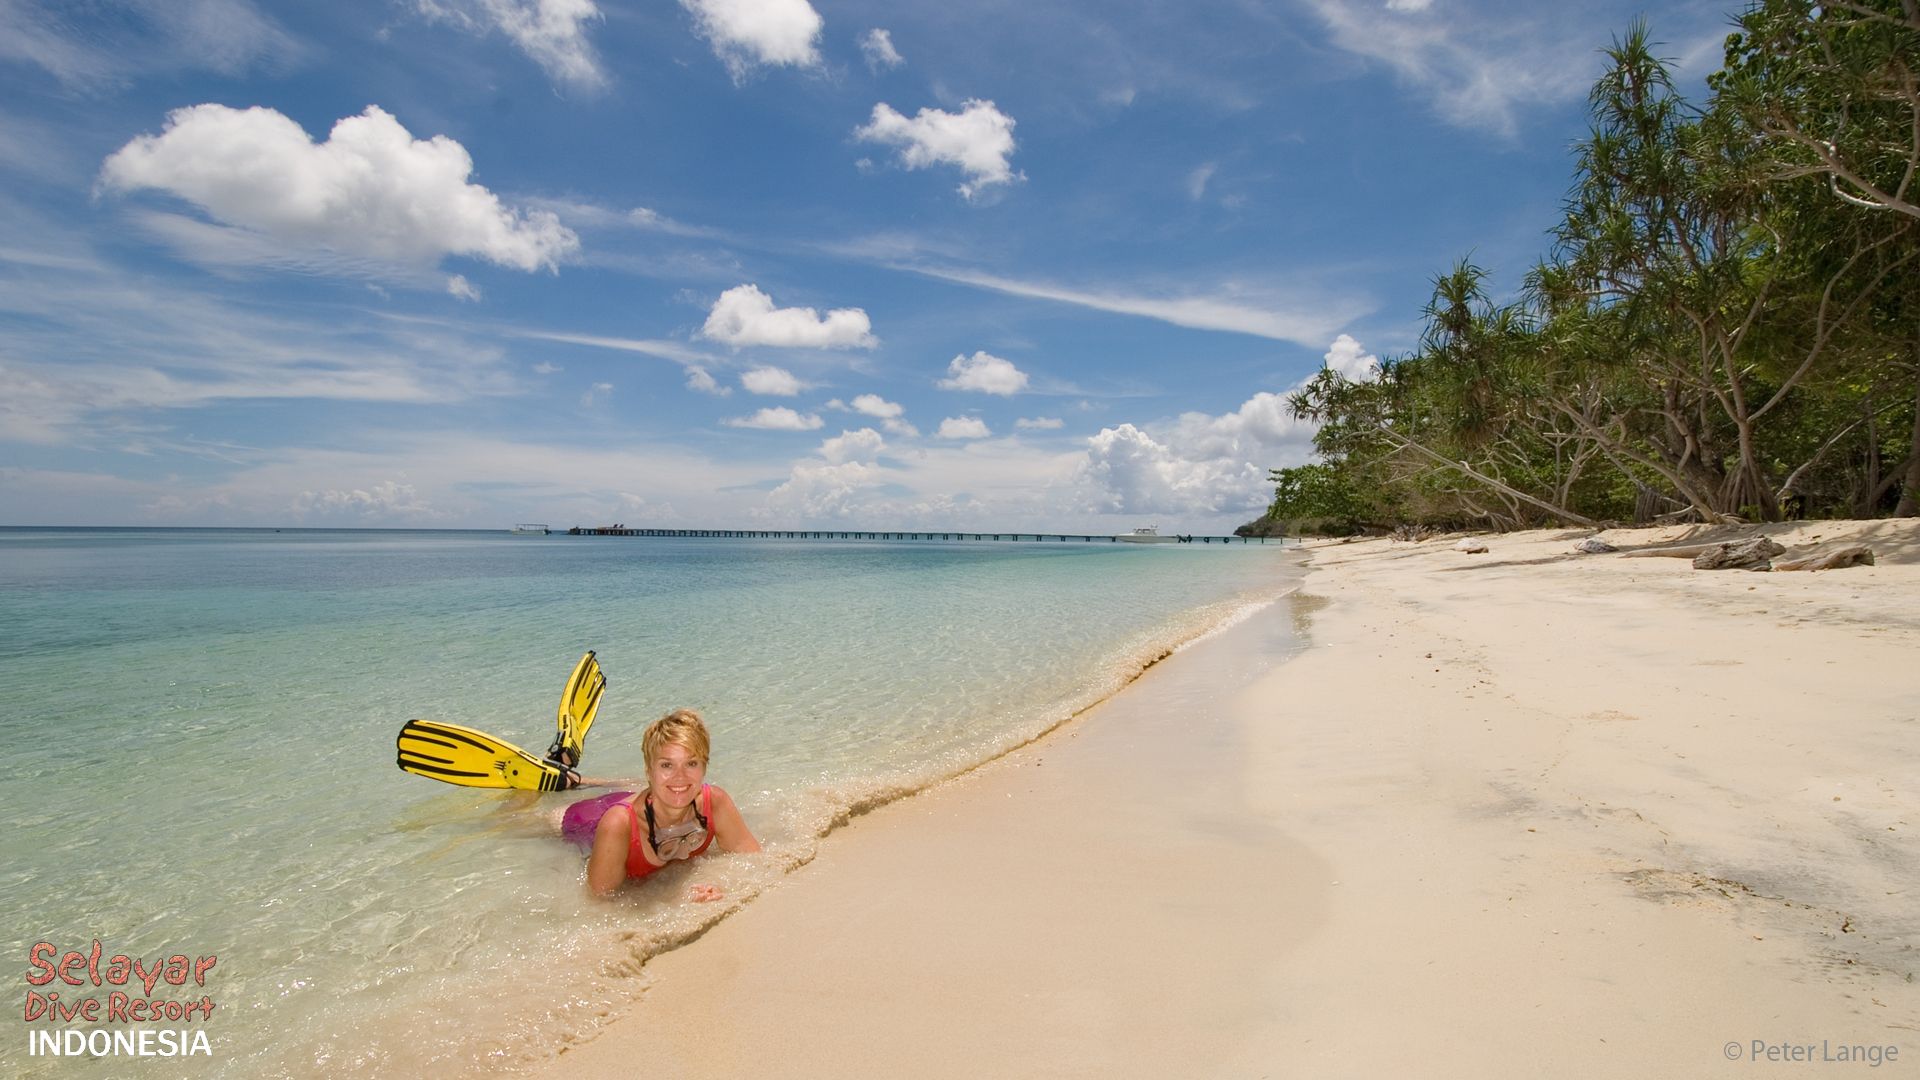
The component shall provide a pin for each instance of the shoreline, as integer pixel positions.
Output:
(1508, 812)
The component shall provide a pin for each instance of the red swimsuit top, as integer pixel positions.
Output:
(637, 864)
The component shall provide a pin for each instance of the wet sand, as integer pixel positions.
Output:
(1511, 814)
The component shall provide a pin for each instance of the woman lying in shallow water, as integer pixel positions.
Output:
(678, 816)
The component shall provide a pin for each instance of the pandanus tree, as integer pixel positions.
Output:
(1728, 323)
(1833, 89)
(1447, 425)
(1728, 297)
(1832, 93)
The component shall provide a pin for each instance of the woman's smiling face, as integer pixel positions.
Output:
(675, 775)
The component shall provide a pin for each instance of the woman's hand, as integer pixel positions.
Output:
(704, 894)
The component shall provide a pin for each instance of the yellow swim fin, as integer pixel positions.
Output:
(578, 704)
(469, 758)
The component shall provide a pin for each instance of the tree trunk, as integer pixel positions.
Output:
(1474, 474)
(1910, 490)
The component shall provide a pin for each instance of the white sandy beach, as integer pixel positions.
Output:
(1521, 813)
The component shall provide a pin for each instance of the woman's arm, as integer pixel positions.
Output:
(729, 828)
(607, 866)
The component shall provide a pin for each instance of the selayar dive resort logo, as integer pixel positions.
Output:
(127, 1018)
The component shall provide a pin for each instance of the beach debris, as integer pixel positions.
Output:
(1682, 551)
(1851, 555)
(1754, 553)
(1471, 546)
(1593, 545)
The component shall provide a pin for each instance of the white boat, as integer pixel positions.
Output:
(534, 529)
(1149, 534)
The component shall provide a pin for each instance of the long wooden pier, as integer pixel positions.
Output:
(827, 534)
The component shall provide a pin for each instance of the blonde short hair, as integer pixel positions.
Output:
(681, 727)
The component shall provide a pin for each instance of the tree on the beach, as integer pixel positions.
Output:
(1445, 427)
(1833, 92)
(1723, 329)
(1833, 88)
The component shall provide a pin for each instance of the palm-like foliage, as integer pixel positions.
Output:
(1727, 323)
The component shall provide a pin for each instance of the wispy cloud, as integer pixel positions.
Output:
(104, 349)
(553, 33)
(877, 46)
(1479, 66)
(1197, 180)
(99, 46)
(1261, 312)
(582, 214)
(661, 349)
(383, 477)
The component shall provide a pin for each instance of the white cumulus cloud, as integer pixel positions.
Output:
(985, 373)
(978, 139)
(387, 499)
(876, 406)
(371, 190)
(552, 32)
(1197, 464)
(772, 381)
(462, 289)
(963, 427)
(743, 315)
(776, 33)
(831, 490)
(862, 445)
(1040, 423)
(698, 378)
(779, 418)
(1353, 363)
(890, 414)
(877, 45)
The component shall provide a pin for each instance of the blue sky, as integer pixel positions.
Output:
(754, 263)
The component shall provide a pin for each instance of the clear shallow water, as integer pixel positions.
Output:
(200, 729)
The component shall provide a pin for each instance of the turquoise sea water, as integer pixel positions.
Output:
(200, 736)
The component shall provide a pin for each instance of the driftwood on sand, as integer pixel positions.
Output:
(1851, 555)
(1593, 545)
(1684, 551)
(1753, 553)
